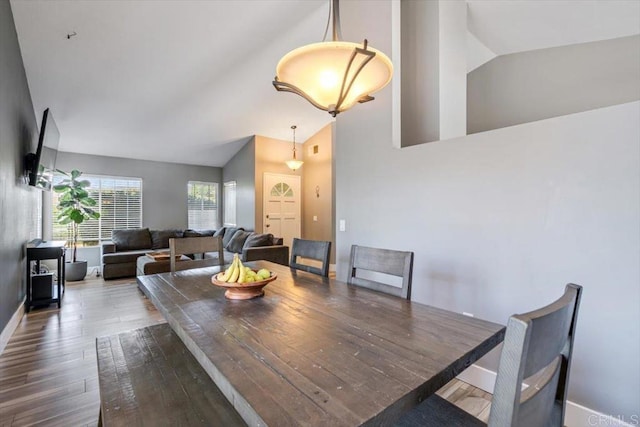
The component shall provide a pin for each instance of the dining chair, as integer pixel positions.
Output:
(537, 346)
(395, 263)
(196, 246)
(312, 249)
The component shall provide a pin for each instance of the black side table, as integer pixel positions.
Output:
(38, 250)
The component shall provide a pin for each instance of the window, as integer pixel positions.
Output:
(229, 194)
(202, 205)
(119, 203)
(38, 232)
(281, 189)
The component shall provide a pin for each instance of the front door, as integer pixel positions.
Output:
(281, 207)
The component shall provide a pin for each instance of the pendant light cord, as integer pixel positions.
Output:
(326, 29)
(294, 141)
(334, 12)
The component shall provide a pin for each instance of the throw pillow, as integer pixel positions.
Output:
(228, 234)
(160, 238)
(131, 239)
(258, 240)
(237, 241)
(220, 232)
(198, 233)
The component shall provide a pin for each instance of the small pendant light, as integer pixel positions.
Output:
(294, 163)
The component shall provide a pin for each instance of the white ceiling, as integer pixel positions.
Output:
(190, 81)
(178, 81)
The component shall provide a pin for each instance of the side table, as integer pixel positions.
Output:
(38, 250)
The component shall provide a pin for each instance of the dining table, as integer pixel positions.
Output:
(316, 351)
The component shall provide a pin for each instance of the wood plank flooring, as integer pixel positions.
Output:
(48, 371)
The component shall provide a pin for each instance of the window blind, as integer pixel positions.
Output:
(119, 203)
(202, 205)
(229, 205)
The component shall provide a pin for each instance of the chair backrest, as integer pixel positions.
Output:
(311, 249)
(541, 343)
(395, 263)
(195, 245)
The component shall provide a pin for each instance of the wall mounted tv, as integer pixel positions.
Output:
(41, 165)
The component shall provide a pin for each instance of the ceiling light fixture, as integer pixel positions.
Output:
(294, 163)
(334, 75)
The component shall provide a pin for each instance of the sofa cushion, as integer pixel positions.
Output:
(237, 241)
(220, 232)
(131, 239)
(257, 240)
(198, 233)
(228, 235)
(160, 238)
(124, 257)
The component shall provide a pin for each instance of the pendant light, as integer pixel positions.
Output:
(334, 75)
(294, 163)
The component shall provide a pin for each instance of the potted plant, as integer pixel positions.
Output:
(75, 206)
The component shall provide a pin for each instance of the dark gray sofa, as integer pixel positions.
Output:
(119, 256)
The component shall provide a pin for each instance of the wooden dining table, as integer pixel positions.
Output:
(316, 351)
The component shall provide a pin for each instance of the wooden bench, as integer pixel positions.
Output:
(148, 377)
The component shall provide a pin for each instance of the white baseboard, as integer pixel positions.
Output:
(479, 377)
(576, 415)
(11, 326)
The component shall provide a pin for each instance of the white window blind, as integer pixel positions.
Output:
(39, 233)
(229, 195)
(119, 203)
(202, 205)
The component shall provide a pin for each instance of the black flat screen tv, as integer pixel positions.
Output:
(42, 164)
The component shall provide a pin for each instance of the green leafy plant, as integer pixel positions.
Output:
(75, 205)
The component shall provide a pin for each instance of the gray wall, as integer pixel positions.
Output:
(420, 67)
(500, 221)
(529, 86)
(164, 185)
(241, 168)
(18, 202)
(317, 172)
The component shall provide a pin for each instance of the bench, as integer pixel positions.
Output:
(148, 377)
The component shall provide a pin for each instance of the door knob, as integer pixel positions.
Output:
(268, 225)
(267, 216)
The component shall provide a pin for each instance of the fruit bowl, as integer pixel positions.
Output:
(242, 290)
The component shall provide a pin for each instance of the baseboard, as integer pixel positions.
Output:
(479, 377)
(11, 326)
(576, 415)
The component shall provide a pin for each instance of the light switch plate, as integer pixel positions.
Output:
(343, 225)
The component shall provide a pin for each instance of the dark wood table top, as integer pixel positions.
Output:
(315, 351)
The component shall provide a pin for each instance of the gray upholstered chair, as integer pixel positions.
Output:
(539, 342)
(395, 263)
(197, 246)
(314, 250)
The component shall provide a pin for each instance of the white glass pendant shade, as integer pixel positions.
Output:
(294, 164)
(334, 75)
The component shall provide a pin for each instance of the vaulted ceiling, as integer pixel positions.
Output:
(190, 81)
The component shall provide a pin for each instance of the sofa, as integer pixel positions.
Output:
(120, 255)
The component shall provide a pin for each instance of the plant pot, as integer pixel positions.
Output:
(74, 271)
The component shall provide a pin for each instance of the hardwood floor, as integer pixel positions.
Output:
(48, 371)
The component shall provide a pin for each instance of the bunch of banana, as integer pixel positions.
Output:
(233, 272)
(238, 273)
